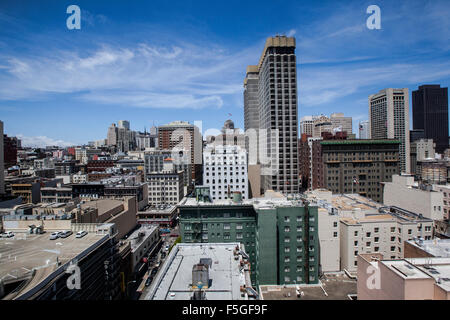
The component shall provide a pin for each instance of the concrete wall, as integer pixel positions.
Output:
(329, 244)
(49, 225)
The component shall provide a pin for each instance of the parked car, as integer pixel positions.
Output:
(154, 271)
(81, 234)
(166, 248)
(149, 281)
(54, 235)
(8, 234)
(65, 234)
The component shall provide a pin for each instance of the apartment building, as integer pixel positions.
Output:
(154, 162)
(445, 191)
(165, 187)
(364, 132)
(280, 235)
(225, 171)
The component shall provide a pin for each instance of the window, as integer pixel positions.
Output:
(356, 233)
(409, 231)
(239, 235)
(393, 229)
(286, 219)
(356, 243)
(226, 226)
(287, 259)
(287, 249)
(368, 244)
(287, 240)
(367, 234)
(335, 234)
(356, 253)
(335, 224)
(392, 249)
(287, 229)
(376, 230)
(376, 249)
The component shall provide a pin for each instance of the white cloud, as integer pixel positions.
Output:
(42, 141)
(142, 75)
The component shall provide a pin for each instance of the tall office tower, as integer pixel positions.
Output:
(389, 119)
(278, 122)
(342, 123)
(183, 136)
(430, 113)
(307, 125)
(2, 165)
(364, 132)
(111, 139)
(124, 124)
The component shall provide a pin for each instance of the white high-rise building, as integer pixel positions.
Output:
(225, 171)
(364, 132)
(389, 119)
(124, 124)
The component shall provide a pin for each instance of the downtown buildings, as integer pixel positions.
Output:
(2, 164)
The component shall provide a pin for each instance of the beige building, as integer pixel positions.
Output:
(368, 227)
(389, 119)
(328, 224)
(405, 279)
(341, 123)
(403, 192)
(445, 191)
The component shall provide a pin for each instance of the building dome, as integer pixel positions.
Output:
(229, 124)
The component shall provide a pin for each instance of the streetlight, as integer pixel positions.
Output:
(133, 281)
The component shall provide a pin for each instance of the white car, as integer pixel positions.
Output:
(54, 236)
(81, 234)
(8, 234)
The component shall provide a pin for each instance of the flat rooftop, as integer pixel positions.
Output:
(270, 200)
(437, 268)
(405, 269)
(352, 201)
(103, 205)
(134, 238)
(173, 281)
(335, 286)
(436, 247)
(24, 252)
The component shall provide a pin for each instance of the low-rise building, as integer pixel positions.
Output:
(165, 187)
(164, 216)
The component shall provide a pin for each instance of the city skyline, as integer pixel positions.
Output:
(106, 71)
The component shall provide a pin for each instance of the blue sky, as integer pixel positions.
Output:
(152, 62)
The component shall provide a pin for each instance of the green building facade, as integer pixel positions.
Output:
(281, 240)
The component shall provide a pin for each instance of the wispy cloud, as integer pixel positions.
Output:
(42, 141)
(143, 75)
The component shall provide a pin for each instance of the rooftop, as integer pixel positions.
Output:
(436, 247)
(405, 269)
(140, 234)
(174, 280)
(437, 268)
(333, 286)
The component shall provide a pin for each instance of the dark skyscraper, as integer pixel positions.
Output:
(430, 113)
